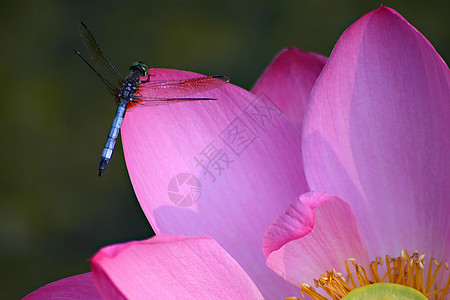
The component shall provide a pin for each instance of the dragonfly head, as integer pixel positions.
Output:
(139, 66)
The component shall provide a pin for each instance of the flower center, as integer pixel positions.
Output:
(402, 274)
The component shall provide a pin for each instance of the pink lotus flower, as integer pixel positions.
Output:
(375, 133)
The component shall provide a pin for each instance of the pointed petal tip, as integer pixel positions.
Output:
(388, 12)
(288, 81)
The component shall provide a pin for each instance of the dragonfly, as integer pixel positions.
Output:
(137, 88)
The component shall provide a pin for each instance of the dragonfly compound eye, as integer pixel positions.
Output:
(139, 65)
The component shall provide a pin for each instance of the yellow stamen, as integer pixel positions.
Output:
(406, 270)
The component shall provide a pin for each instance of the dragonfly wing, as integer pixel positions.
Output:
(165, 101)
(100, 63)
(176, 90)
(111, 87)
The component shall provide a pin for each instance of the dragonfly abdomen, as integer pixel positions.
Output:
(112, 136)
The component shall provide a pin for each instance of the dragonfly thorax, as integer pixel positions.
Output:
(130, 85)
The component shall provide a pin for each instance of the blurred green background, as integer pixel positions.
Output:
(55, 114)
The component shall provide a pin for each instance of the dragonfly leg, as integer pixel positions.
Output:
(148, 78)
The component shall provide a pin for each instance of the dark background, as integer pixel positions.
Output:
(55, 114)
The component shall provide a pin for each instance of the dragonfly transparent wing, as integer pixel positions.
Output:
(157, 92)
(111, 87)
(165, 101)
(99, 62)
